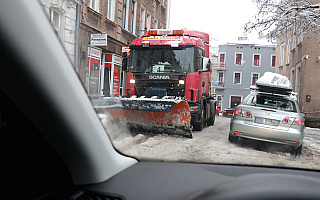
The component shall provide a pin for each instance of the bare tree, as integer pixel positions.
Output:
(285, 18)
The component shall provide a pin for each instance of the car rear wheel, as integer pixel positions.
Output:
(232, 138)
(296, 151)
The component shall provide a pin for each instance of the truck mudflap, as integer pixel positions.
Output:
(169, 116)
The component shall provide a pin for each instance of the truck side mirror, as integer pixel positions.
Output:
(208, 65)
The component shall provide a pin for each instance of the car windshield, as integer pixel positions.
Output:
(270, 101)
(163, 60)
(163, 100)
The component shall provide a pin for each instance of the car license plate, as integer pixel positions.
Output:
(266, 121)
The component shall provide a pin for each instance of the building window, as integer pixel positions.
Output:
(288, 53)
(273, 60)
(254, 78)
(281, 55)
(221, 76)
(125, 14)
(55, 19)
(300, 38)
(256, 60)
(238, 59)
(222, 57)
(236, 77)
(292, 76)
(133, 16)
(94, 5)
(142, 21)
(219, 103)
(155, 24)
(235, 101)
(148, 21)
(111, 9)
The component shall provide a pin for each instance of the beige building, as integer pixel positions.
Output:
(298, 58)
(119, 22)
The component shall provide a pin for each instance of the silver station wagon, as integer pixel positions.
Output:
(269, 114)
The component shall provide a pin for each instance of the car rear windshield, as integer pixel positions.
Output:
(271, 101)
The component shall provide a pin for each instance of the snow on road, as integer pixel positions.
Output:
(212, 146)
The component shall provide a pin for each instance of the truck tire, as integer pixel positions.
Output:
(199, 125)
(212, 115)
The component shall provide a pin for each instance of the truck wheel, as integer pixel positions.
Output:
(212, 117)
(199, 125)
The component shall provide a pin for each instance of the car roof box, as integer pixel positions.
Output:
(274, 83)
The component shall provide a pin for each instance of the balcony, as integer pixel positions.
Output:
(218, 84)
(219, 66)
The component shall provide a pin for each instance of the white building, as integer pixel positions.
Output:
(63, 15)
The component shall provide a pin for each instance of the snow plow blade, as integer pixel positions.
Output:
(168, 116)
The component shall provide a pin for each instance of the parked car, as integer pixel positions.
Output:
(228, 112)
(271, 117)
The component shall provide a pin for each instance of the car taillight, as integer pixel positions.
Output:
(243, 113)
(248, 114)
(286, 120)
(292, 120)
(298, 121)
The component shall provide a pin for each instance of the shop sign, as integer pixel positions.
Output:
(117, 60)
(94, 52)
(98, 39)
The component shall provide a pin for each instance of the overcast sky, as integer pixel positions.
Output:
(222, 19)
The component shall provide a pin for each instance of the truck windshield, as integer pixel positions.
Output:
(162, 60)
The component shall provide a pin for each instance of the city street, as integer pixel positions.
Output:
(212, 146)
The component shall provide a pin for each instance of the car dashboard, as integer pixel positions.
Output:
(154, 180)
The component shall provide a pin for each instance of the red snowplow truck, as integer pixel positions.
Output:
(168, 82)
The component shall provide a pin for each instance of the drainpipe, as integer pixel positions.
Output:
(168, 13)
(76, 46)
(83, 4)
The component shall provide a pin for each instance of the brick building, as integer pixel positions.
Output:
(122, 21)
(298, 58)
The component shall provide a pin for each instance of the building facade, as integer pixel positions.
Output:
(239, 66)
(62, 14)
(116, 23)
(298, 58)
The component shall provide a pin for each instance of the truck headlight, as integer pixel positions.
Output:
(193, 108)
(181, 82)
(132, 81)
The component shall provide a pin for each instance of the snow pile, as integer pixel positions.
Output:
(274, 80)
